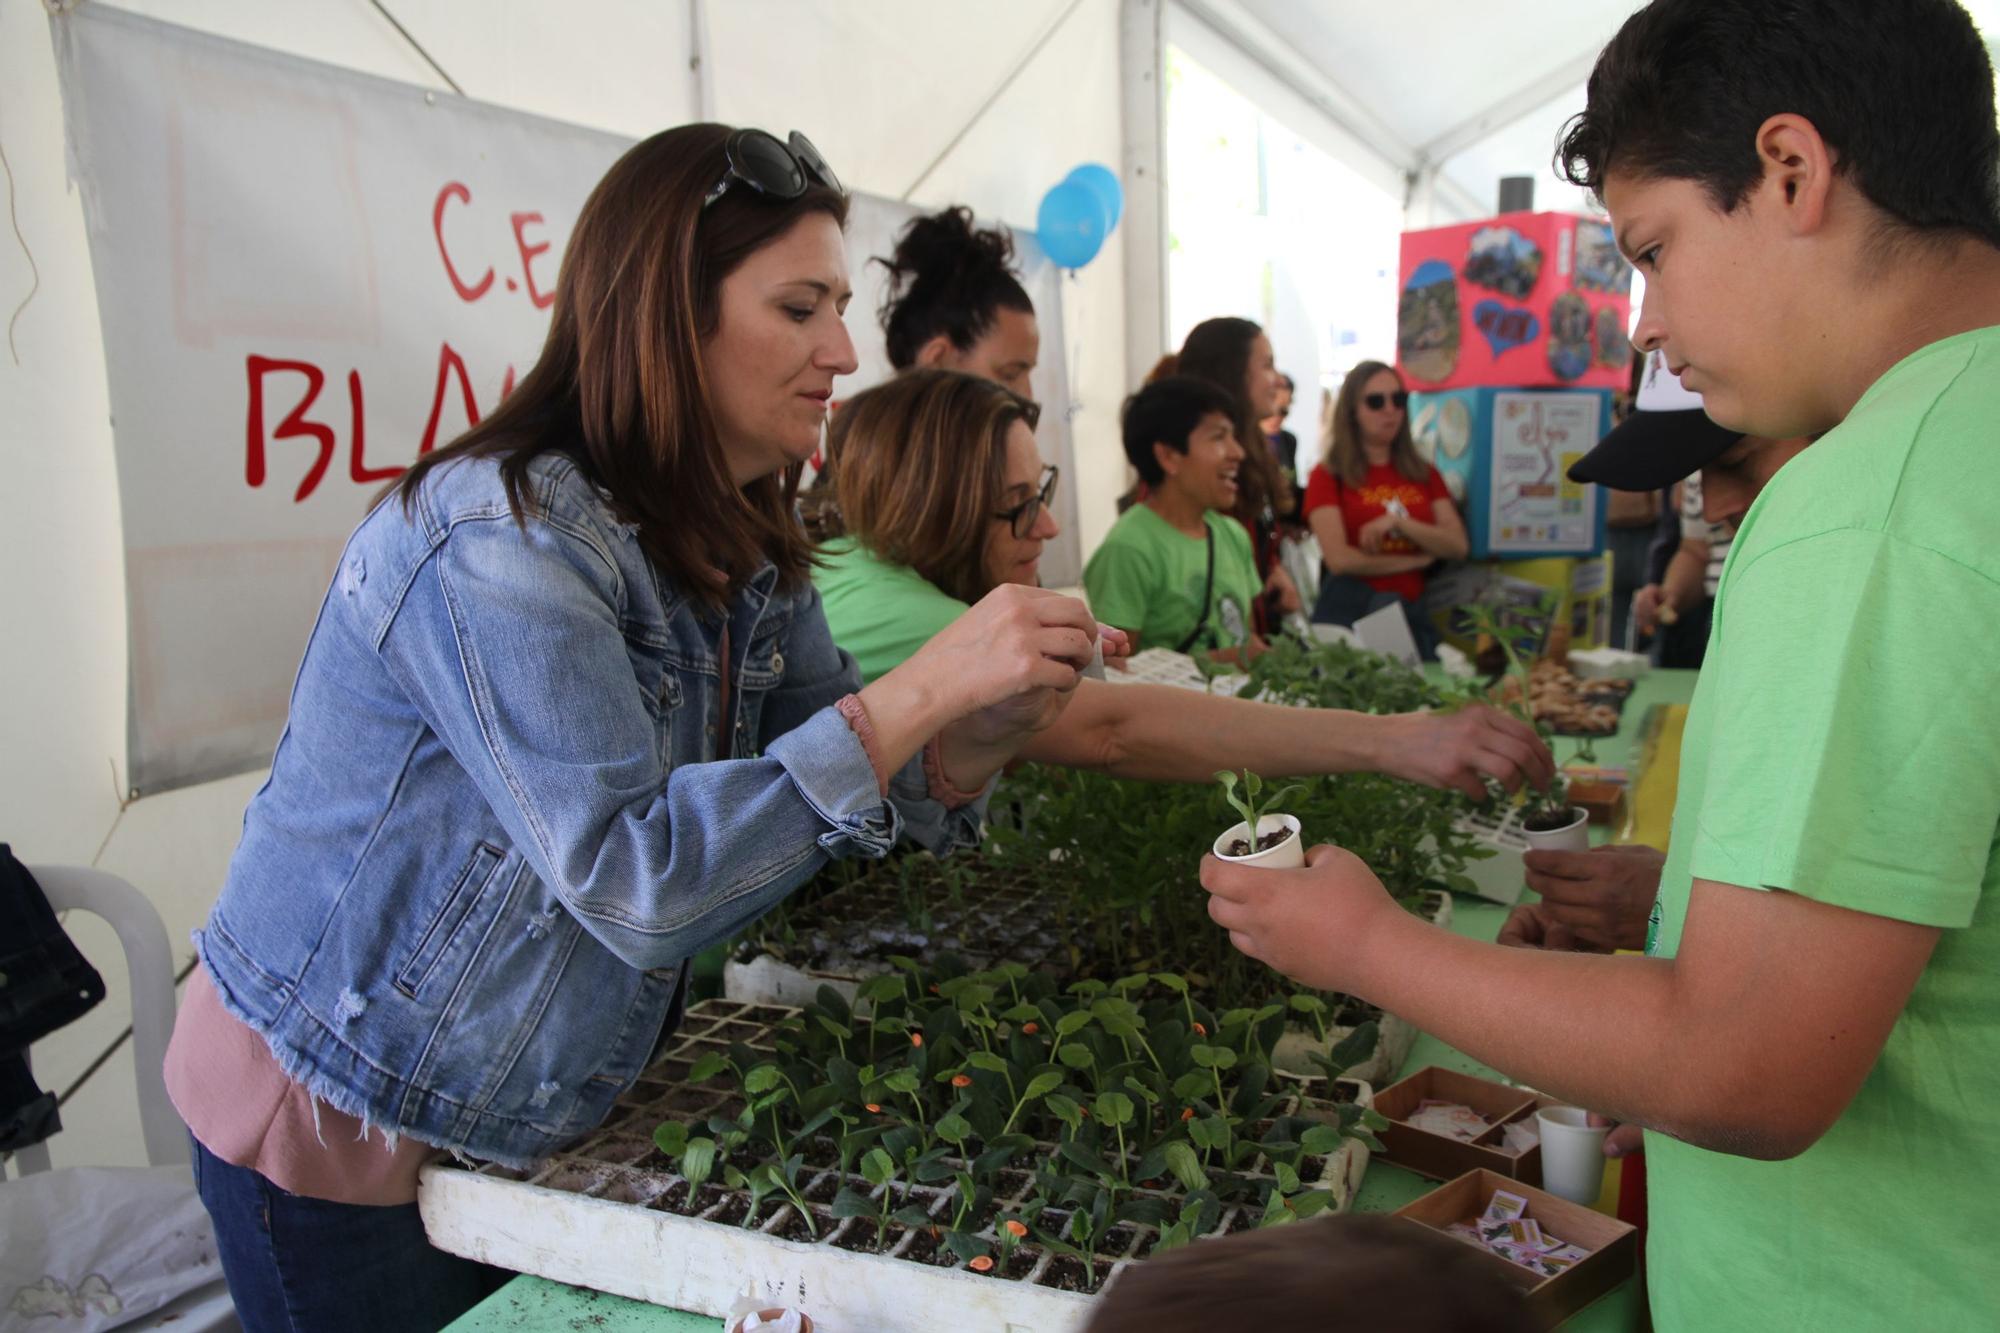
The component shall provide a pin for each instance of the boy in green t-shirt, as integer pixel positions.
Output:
(1176, 571)
(1813, 1042)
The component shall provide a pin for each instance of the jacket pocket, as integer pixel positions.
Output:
(472, 881)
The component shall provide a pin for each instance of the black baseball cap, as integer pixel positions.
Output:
(1667, 437)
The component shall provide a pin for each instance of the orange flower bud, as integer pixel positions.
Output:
(1031, 1028)
(1015, 1229)
(982, 1264)
(961, 1080)
(1187, 1113)
(1200, 1031)
(916, 1039)
(873, 1108)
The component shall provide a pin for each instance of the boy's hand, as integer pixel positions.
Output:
(1311, 924)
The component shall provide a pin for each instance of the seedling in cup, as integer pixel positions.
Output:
(1265, 837)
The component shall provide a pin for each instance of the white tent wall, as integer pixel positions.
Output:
(863, 81)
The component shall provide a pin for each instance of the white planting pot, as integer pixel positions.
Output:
(1571, 837)
(1287, 855)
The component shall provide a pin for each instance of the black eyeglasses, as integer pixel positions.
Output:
(1026, 514)
(777, 169)
(1377, 401)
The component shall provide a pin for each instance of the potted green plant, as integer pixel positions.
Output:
(1264, 838)
(1549, 820)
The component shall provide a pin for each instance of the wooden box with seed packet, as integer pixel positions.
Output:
(1443, 1156)
(1582, 1253)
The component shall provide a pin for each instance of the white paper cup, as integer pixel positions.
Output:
(1287, 855)
(1571, 837)
(1572, 1154)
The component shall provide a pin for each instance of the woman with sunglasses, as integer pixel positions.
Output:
(1383, 516)
(944, 498)
(570, 713)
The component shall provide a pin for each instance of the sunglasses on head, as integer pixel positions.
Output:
(1024, 516)
(778, 169)
(1377, 401)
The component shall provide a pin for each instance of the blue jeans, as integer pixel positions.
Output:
(300, 1265)
(1344, 599)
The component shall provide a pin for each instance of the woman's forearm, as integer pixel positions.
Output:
(1163, 734)
(1446, 542)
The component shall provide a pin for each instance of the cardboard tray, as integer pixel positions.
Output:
(1613, 1244)
(1442, 1157)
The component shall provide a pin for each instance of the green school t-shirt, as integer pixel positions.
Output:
(1844, 744)
(878, 611)
(1148, 578)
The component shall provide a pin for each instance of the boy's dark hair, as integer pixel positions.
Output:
(947, 276)
(1354, 1272)
(1166, 412)
(1901, 90)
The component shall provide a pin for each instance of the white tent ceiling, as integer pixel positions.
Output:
(1478, 90)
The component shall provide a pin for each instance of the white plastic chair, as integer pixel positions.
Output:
(150, 964)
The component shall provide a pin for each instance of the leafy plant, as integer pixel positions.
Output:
(1248, 805)
(1550, 803)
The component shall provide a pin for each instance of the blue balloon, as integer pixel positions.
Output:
(1072, 224)
(1104, 181)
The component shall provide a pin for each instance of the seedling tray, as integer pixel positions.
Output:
(1442, 1157)
(611, 1214)
(1613, 1244)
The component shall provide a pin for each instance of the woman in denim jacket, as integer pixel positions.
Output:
(570, 712)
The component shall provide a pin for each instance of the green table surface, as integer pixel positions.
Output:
(532, 1303)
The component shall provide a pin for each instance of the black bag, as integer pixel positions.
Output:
(44, 985)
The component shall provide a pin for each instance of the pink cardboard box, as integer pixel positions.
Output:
(1524, 301)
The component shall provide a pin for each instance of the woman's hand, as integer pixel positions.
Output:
(1312, 924)
(1460, 749)
(1374, 531)
(1288, 592)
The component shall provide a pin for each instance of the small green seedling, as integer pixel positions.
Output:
(1247, 804)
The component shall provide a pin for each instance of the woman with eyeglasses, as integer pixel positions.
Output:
(943, 498)
(1382, 515)
(570, 713)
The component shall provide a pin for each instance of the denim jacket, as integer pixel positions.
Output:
(504, 812)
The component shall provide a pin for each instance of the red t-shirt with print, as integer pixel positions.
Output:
(1359, 505)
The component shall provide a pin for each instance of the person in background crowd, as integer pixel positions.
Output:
(569, 713)
(1382, 515)
(1176, 571)
(944, 498)
(1630, 518)
(1813, 1039)
(1235, 356)
(1285, 449)
(955, 301)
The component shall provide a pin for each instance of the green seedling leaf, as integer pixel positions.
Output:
(987, 1061)
(849, 1203)
(761, 1080)
(954, 1128)
(707, 1067)
(877, 1167)
(698, 1162)
(671, 1138)
(1181, 1160)
(1072, 1023)
(1320, 1141)
(1113, 1108)
(1355, 1047)
(1041, 1085)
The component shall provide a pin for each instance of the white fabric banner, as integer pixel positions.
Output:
(306, 276)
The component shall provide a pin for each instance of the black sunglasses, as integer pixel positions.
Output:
(777, 169)
(1024, 516)
(1377, 401)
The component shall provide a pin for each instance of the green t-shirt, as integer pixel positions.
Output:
(1844, 744)
(879, 612)
(1148, 578)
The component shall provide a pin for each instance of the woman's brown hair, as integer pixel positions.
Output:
(1218, 350)
(1345, 458)
(620, 386)
(920, 469)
